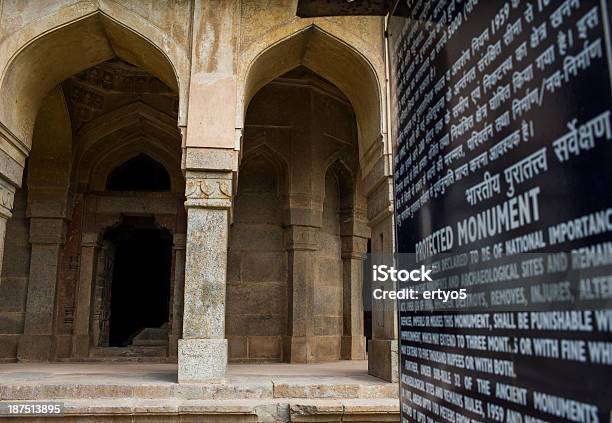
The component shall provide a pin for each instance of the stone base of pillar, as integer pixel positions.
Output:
(35, 348)
(383, 359)
(353, 348)
(202, 360)
(297, 349)
(80, 346)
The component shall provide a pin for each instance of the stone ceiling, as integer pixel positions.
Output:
(113, 84)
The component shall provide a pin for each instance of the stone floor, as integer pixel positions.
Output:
(118, 392)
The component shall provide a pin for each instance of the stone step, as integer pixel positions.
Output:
(133, 351)
(233, 389)
(234, 411)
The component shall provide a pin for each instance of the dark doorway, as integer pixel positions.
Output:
(140, 289)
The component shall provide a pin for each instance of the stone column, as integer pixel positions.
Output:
(13, 155)
(378, 186)
(353, 338)
(82, 340)
(202, 353)
(302, 244)
(7, 196)
(178, 285)
(47, 236)
(383, 348)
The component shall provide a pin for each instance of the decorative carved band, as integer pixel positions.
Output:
(302, 238)
(208, 191)
(7, 199)
(354, 247)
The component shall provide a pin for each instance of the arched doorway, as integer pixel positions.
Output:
(299, 231)
(138, 292)
(358, 73)
(88, 97)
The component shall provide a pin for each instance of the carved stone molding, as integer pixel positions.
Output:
(305, 238)
(119, 76)
(354, 247)
(208, 190)
(13, 153)
(7, 199)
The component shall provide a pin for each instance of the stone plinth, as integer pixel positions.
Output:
(202, 359)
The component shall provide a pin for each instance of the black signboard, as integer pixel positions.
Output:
(503, 184)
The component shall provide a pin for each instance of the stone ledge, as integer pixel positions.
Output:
(233, 389)
(141, 409)
(334, 390)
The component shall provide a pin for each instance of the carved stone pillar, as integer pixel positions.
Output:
(178, 286)
(302, 244)
(7, 196)
(13, 155)
(202, 352)
(353, 339)
(82, 339)
(47, 235)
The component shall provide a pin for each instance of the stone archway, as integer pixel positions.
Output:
(67, 49)
(64, 72)
(332, 59)
(309, 259)
(361, 82)
(36, 58)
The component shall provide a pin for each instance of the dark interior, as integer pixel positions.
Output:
(140, 173)
(140, 287)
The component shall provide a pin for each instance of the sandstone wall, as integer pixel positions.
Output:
(296, 127)
(14, 280)
(256, 310)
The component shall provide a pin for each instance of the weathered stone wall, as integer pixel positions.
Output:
(14, 280)
(297, 126)
(257, 279)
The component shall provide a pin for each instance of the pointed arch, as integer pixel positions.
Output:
(71, 41)
(130, 115)
(331, 58)
(96, 174)
(120, 133)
